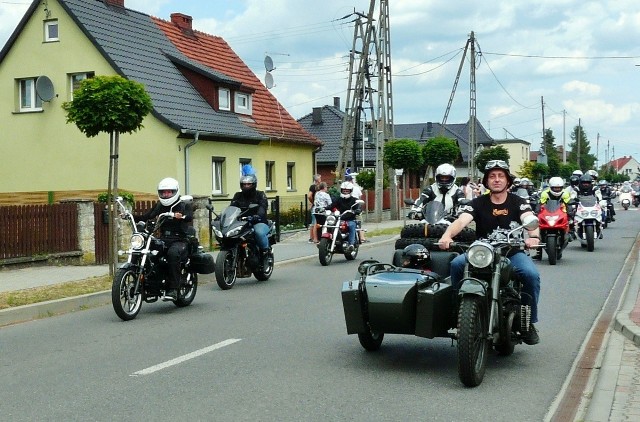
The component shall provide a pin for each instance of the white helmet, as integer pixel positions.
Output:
(556, 186)
(168, 191)
(346, 188)
(577, 173)
(445, 176)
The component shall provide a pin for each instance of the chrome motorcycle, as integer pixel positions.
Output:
(334, 235)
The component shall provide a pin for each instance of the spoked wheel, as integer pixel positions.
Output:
(369, 340)
(324, 252)
(187, 291)
(264, 271)
(126, 302)
(473, 346)
(225, 270)
(589, 232)
(551, 249)
(353, 254)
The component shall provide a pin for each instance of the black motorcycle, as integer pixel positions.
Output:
(144, 276)
(239, 255)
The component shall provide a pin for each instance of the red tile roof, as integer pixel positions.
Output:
(618, 163)
(268, 116)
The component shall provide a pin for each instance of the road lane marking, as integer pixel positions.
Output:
(184, 358)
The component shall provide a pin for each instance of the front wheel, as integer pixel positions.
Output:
(552, 249)
(588, 232)
(225, 270)
(187, 291)
(125, 299)
(473, 346)
(324, 252)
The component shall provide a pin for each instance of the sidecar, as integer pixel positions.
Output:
(395, 300)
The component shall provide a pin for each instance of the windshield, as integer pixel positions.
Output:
(552, 205)
(229, 215)
(587, 201)
(434, 212)
(625, 189)
(522, 193)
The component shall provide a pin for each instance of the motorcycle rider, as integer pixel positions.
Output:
(556, 191)
(516, 185)
(443, 190)
(247, 196)
(344, 202)
(607, 194)
(499, 208)
(174, 231)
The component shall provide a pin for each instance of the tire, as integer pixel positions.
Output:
(397, 258)
(187, 292)
(324, 252)
(264, 271)
(225, 270)
(507, 341)
(413, 230)
(473, 346)
(352, 255)
(552, 249)
(588, 230)
(370, 341)
(126, 303)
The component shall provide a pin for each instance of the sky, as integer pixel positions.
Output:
(539, 64)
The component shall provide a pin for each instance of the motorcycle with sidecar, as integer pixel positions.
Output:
(488, 310)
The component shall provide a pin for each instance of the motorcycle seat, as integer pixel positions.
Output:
(441, 262)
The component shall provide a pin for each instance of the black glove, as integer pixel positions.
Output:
(255, 219)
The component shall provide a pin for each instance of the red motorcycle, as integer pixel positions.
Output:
(554, 228)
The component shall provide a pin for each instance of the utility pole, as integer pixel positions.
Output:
(578, 143)
(544, 146)
(564, 136)
(472, 110)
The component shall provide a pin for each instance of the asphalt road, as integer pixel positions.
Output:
(278, 350)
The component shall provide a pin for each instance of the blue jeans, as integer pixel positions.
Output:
(352, 231)
(524, 268)
(261, 231)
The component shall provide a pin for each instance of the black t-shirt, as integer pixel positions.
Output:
(312, 192)
(489, 216)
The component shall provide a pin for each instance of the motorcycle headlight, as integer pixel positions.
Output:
(234, 231)
(137, 241)
(480, 255)
(584, 213)
(551, 220)
(331, 220)
(217, 232)
(595, 213)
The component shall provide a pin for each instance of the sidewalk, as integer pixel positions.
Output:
(291, 248)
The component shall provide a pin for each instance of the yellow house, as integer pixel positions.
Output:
(211, 114)
(518, 153)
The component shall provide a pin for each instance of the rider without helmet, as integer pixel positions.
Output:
(168, 191)
(415, 256)
(502, 165)
(445, 177)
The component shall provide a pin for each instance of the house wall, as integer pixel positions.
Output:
(518, 155)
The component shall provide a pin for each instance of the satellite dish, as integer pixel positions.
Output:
(268, 80)
(268, 64)
(44, 88)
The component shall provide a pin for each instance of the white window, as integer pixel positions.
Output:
(29, 100)
(217, 171)
(290, 176)
(268, 175)
(75, 79)
(224, 99)
(243, 103)
(51, 31)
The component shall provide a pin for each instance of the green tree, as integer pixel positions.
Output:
(579, 150)
(403, 154)
(549, 147)
(439, 150)
(114, 105)
(494, 153)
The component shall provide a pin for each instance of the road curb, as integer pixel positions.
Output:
(50, 308)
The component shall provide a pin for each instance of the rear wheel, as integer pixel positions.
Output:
(125, 300)
(324, 251)
(507, 340)
(264, 271)
(225, 270)
(187, 291)
(353, 254)
(473, 346)
(588, 231)
(551, 249)
(369, 340)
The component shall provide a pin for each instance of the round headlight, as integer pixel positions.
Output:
(137, 241)
(331, 220)
(480, 255)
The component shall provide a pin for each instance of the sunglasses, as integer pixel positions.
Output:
(496, 163)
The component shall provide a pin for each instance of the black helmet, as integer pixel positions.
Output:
(586, 184)
(415, 256)
(574, 180)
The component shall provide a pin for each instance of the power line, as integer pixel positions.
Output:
(535, 56)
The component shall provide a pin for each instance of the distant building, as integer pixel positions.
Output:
(627, 166)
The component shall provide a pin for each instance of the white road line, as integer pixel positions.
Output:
(185, 358)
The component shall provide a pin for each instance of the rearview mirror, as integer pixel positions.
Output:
(530, 222)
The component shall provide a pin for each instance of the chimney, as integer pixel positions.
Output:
(336, 102)
(117, 3)
(316, 116)
(182, 21)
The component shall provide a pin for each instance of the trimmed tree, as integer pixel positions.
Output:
(114, 105)
(403, 154)
(488, 154)
(436, 151)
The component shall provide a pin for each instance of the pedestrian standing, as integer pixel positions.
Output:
(311, 196)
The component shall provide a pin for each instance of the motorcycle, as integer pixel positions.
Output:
(636, 198)
(588, 221)
(554, 228)
(143, 276)
(431, 212)
(626, 197)
(239, 255)
(488, 310)
(334, 237)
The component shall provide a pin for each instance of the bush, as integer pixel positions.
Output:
(127, 196)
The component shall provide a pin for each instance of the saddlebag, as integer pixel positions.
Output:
(202, 263)
(352, 304)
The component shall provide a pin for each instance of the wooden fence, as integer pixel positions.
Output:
(28, 230)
